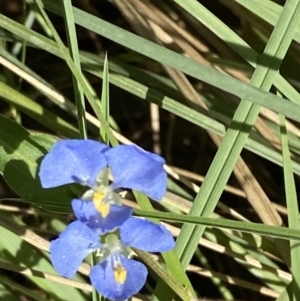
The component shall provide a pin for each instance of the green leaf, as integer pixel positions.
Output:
(20, 156)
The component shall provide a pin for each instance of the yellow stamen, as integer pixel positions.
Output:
(120, 273)
(100, 204)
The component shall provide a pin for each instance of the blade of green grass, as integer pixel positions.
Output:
(73, 46)
(269, 11)
(222, 31)
(105, 98)
(292, 207)
(22, 71)
(95, 295)
(37, 112)
(220, 285)
(30, 18)
(232, 241)
(181, 291)
(287, 294)
(261, 229)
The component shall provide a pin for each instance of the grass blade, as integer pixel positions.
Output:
(105, 98)
(292, 207)
(73, 46)
(261, 229)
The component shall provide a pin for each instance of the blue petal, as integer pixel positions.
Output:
(71, 247)
(86, 212)
(73, 161)
(137, 169)
(102, 278)
(145, 235)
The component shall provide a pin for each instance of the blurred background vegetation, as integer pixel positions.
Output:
(162, 110)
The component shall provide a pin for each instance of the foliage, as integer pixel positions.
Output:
(212, 86)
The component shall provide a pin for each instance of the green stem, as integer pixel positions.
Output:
(96, 296)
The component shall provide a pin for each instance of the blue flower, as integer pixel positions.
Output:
(94, 217)
(73, 161)
(85, 162)
(115, 276)
(134, 168)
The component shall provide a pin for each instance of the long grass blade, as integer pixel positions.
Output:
(73, 46)
(292, 207)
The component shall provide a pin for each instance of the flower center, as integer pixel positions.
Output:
(102, 205)
(120, 273)
(116, 248)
